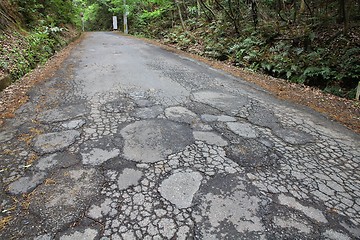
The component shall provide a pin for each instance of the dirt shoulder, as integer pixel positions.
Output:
(344, 111)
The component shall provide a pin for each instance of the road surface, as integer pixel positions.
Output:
(129, 141)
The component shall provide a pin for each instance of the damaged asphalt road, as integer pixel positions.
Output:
(128, 141)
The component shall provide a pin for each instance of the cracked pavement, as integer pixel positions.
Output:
(129, 141)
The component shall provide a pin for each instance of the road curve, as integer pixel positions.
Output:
(129, 141)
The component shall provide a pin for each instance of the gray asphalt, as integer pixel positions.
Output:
(128, 141)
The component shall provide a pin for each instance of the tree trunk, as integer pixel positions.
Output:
(230, 16)
(254, 12)
(185, 10)
(341, 13)
(295, 12)
(209, 9)
(344, 14)
(180, 15)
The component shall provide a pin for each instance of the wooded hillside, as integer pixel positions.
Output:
(31, 31)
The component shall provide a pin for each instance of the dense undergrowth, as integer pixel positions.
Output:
(22, 52)
(31, 32)
(330, 64)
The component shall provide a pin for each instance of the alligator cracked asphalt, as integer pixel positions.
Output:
(129, 141)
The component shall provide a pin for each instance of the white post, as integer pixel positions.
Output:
(126, 31)
(115, 25)
(358, 92)
(82, 21)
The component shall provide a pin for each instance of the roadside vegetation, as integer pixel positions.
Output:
(312, 42)
(31, 32)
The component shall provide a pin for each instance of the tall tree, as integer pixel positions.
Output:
(343, 15)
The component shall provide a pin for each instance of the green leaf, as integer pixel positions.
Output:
(288, 74)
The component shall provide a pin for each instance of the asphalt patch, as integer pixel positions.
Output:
(153, 140)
